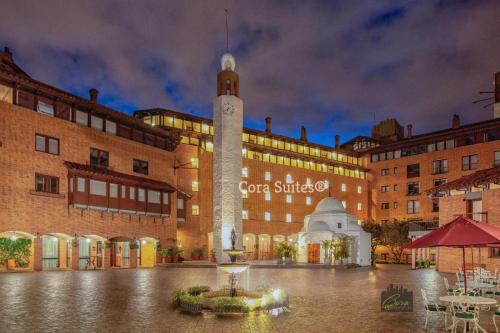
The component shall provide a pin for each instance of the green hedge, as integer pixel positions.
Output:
(196, 290)
(175, 297)
(192, 304)
(230, 305)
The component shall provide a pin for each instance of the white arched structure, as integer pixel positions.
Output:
(329, 221)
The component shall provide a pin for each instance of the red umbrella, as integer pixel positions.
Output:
(461, 232)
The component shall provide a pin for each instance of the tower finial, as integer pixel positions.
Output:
(227, 34)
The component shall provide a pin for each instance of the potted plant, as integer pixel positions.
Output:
(213, 258)
(163, 254)
(15, 252)
(175, 253)
(133, 245)
(327, 247)
(280, 252)
(289, 253)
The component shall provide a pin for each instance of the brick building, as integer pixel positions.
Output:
(84, 181)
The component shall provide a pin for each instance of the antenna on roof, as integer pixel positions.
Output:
(227, 34)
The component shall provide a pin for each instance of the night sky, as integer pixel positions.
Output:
(335, 67)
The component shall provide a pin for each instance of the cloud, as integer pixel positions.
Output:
(331, 66)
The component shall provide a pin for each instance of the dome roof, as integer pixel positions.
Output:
(329, 204)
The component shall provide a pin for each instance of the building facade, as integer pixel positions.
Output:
(84, 182)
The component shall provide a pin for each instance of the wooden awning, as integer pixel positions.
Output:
(477, 179)
(83, 170)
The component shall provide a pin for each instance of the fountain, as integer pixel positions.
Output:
(233, 268)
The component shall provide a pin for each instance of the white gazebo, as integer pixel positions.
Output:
(329, 221)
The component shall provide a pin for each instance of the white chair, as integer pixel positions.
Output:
(432, 307)
(451, 291)
(466, 314)
(495, 315)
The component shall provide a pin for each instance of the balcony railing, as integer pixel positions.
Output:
(422, 226)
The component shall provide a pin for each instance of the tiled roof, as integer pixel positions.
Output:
(476, 179)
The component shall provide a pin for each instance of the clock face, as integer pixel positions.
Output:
(228, 108)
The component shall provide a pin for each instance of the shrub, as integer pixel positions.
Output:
(192, 304)
(196, 290)
(175, 297)
(230, 305)
(15, 249)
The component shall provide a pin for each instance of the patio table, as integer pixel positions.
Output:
(469, 300)
(480, 285)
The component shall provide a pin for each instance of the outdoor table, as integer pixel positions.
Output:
(474, 300)
(480, 285)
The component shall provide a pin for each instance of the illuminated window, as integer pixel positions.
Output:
(308, 201)
(289, 178)
(268, 196)
(267, 175)
(360, 206)
(195, 210)
(289, 217)
(195, 185)
(244, 214)
(360, 189)
(344, 203)
(288, 198)
(308, 181)
(344, 187)
(244, 172)
(195, 163)
(244, 194)
(267, 216)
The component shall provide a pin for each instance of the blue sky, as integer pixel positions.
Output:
(336, 67)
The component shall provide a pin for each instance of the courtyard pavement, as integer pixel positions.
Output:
(346, 300)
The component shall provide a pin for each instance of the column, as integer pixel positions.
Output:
(106, 257)
(413, 258)
(75, 254)
(133, 258)
(37, 255)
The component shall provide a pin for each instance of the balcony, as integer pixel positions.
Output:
(420, 228)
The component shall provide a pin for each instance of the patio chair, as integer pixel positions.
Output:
(466, 314)
(449, 290)
(459, 277)
(495, 315)
(432, 307)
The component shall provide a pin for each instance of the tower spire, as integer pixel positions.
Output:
(227, 34)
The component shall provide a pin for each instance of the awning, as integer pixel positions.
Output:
(476, 179)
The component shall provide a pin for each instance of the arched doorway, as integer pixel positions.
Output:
(146, 253)
(265, 247)
(27, 240)
(91, 252)
(120, 252)
(56, 251)
(249, 246)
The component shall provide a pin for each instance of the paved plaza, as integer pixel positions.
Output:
(138, 300)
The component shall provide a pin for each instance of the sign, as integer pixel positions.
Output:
(396, 299)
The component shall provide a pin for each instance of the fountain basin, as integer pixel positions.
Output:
(233, 252)
(233, 268)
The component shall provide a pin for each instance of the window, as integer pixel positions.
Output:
(45, 108)
(131, 192)
(96, 123)
(97, 187)
(195, 163)
(289, 179)
(141, 166)
(244, 214)
(166, 198)
(384, 172)
(360, 189)
(469, 162)
(413, 207)
(47, 184)
(81, 118)
(308, 201)
(384, 188)
(141, 194)
(288, 217)
(396, 170)
(384, 205)
(80, 186)
(180, 203)
(110, 127)
(495, 252)
(267, 216)
(437, 182)
(497, 158)
(435, 205)
(360, 206)
(439, 166)
(244, 172)
(395, 187)
(99, 158)
(195, 210)
(288, 198)
(244, 194)
(339, 225)
(343, 188)
(267, 196)
(395, 205)
(113, 190)
(267, 175)
(413, 188)
(412, 170)
(344, 203)
(308, 181)
(195, 186)
(154, 197)
(470, 140)
(46, 144)
(124, 191)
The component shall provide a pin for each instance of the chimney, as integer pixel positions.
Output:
(8, 53)
(268, 124)
(93, 95)
(496, 106)
(303, 134)
(455, 123)
(337, 141)
(409, 128)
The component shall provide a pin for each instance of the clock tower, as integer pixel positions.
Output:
(227, 159)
